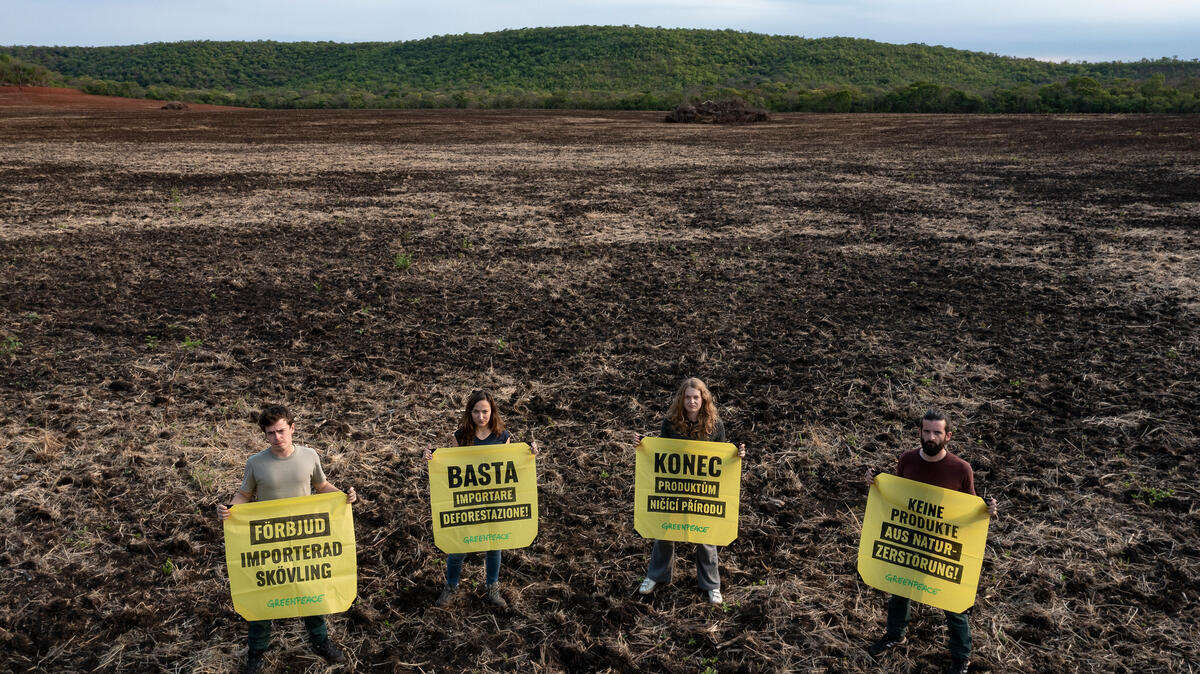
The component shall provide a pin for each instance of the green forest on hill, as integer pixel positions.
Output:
(617, 68)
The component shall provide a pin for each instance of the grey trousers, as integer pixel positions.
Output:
(662, 555)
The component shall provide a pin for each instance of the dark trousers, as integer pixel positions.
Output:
(956, 625)
(259, 638)
(491, 567)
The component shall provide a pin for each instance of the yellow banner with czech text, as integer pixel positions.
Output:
(687, 490)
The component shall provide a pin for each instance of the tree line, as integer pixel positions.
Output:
(1079, 94)
(618, 67)
(15, 71)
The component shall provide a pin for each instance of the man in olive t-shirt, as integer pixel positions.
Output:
(281, 471)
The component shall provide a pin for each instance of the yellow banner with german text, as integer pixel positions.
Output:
(923, 542)
(291, 557)
(483, 497)
(687, 490)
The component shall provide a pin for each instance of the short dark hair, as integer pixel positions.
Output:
(272, 414)
(936, 415)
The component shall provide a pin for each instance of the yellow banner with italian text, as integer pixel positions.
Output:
(923, 542)
(483, 497)
(291, 557)
(687, 490)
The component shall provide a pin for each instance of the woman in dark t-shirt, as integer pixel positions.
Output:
(691, 416)
(480, 425)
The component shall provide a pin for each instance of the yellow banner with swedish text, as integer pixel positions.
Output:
(291, 557)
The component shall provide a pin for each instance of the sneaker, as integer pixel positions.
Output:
(958, 666)
(493, 595)
(254, 662)
(327, 650)
(446, 595)
(885, 643)
(714, 597)
(647, 586)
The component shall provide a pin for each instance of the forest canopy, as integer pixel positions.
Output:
(617, 67)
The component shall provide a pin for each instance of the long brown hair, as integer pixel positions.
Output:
(706, 419)
(466, 427)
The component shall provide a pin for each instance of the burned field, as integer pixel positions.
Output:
(830, 277)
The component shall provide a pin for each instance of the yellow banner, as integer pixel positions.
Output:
(483, 497)
(687, 490)
(291, 557)
(923, 542)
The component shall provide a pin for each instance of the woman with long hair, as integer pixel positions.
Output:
(480, 425)
(691, 416)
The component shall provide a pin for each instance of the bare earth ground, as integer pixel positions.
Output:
(165, 274)
(56, 100)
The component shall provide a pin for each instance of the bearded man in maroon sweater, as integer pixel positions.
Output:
(932, 464)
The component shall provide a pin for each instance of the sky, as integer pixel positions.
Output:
(1051, 30)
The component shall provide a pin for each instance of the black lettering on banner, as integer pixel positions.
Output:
(678, 485)
(462, 518)
(481, 475)
(290, 528)
(293, 574)
(916, 561)
(279, 556)
(687, 464)
(485, 496)
(685, 506)
(922, 541)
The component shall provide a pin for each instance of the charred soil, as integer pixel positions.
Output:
(830, 277)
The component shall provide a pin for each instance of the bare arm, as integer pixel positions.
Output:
(238, 499)
(327, 487)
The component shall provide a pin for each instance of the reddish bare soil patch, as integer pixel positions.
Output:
(33, 98)
(829, 276)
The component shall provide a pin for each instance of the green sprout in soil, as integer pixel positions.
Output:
(167, 567)
(190, 342)
(402, 261)
(151, 342)
(204, 477)
(1153, 495)
(9, 345)
(176, 200)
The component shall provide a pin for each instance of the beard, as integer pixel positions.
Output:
(931, 448)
